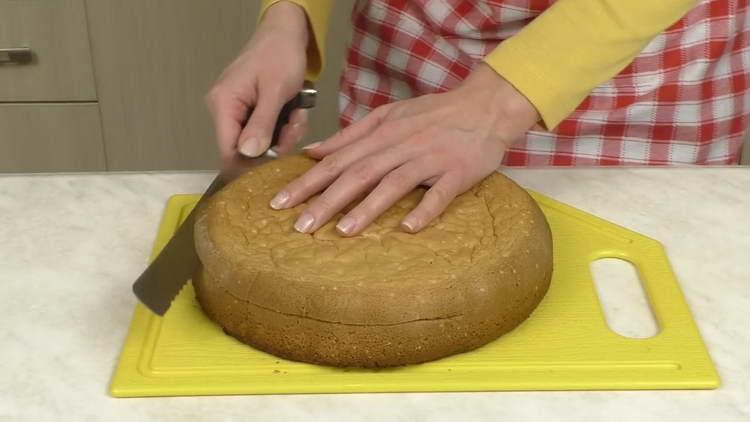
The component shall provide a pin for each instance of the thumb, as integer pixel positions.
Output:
(256, 136)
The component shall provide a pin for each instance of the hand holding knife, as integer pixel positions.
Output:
(177, 262)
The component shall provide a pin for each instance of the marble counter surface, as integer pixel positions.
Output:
(73, 244)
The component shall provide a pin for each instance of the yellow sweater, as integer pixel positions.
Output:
(558, 58)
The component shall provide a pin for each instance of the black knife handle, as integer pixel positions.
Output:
(304, 99)
(283, 119)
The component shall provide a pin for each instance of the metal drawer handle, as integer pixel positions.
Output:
(19, 55)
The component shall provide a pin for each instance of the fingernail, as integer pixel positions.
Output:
(304, 223)
(346, 225)
(250, 148)
(311, 146)
(279, 201)
(271, 152)
(408, 226)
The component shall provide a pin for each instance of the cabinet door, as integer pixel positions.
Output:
(54, 31)
(154, 62)
(50, 137)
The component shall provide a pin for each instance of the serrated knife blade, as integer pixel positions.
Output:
(178, 261)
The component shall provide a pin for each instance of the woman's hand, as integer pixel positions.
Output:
(447, 141)
(269, 72)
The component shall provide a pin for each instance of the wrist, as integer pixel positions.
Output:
(513, 113)
(288, 18)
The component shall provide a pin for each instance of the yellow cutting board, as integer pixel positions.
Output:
(565, 344)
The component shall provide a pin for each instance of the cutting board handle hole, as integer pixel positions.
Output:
(622, 298)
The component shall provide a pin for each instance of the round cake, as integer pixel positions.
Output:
(381, 298)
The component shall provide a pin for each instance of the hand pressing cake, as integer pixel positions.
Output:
(381, 298)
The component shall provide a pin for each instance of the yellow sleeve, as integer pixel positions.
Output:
(575, 45)
(317, 14)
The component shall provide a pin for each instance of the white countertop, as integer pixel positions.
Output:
(73, 244)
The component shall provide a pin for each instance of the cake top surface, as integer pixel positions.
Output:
(478, 225)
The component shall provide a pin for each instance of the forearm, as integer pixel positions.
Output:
(317, 12)
(575, 45)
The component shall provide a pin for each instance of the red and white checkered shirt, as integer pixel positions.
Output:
(683, 100)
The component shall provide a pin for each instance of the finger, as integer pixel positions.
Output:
(291, 134)
(433, 203)
(299, 116)
(355, 181)
(394, 186)
(256, 136)
(331, 166)
(348, 135)
(227, 113)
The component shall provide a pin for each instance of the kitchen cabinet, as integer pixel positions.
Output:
(142, 68)
(154, 62)
(119, 85)
(51, 137)
(49, 119)
(51, 60)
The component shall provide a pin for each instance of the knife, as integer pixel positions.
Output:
(177, 262)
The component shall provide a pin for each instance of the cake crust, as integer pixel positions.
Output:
(382, 298)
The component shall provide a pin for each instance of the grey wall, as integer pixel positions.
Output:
(324, 118)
